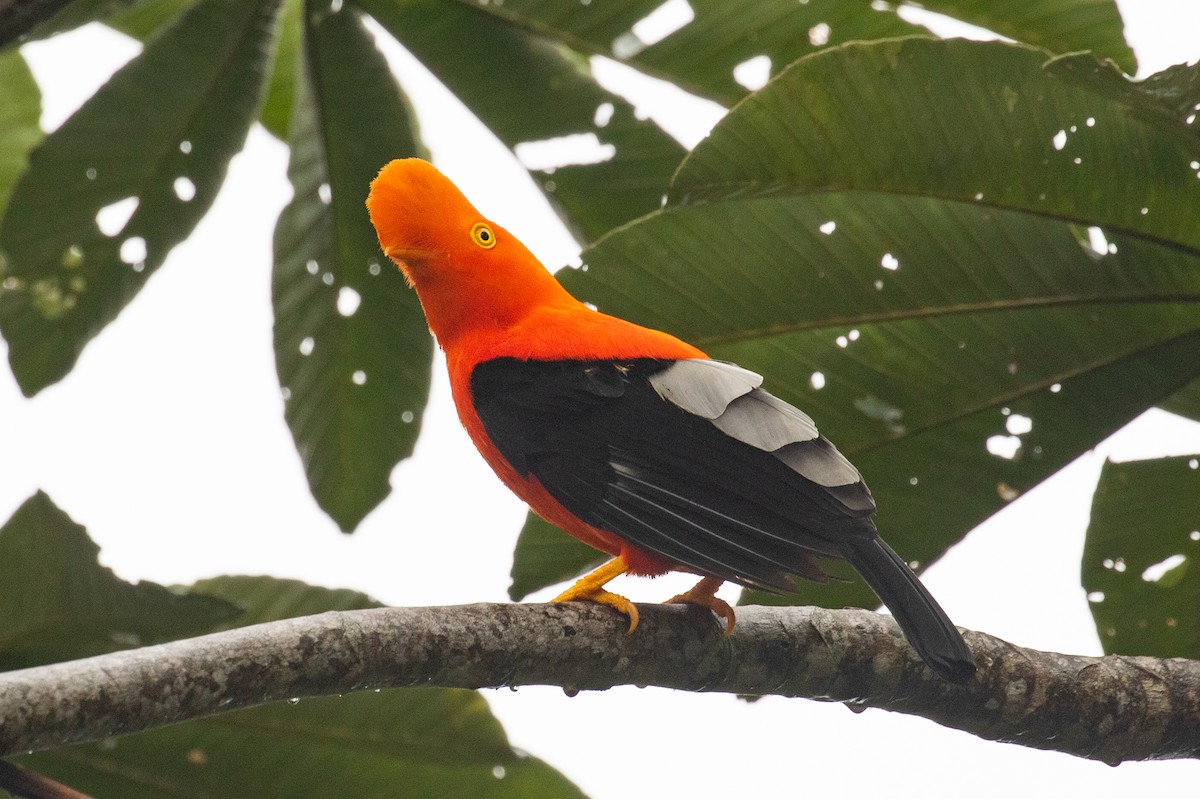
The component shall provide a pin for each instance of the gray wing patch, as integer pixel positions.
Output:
(765, 421)
(730, 397)
(819, 461)
(702, 387)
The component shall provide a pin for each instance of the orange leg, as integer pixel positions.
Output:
(590, 588)
(704, 593)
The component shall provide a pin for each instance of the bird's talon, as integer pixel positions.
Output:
(590, 588)
(704, 595)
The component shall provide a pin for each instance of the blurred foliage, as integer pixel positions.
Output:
(1141, 564)
(57, 603)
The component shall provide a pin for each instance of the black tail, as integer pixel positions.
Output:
(923, 621)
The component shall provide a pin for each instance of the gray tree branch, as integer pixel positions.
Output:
(1105, 708)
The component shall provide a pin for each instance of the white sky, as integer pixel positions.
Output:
(168, 442)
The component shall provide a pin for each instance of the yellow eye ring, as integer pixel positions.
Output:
(482, 235)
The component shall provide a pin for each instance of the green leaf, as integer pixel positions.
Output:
(276, 113)
(1141, 558)
(264, 599)
(351, 345)
(144, 18)
(1061, 26)
(546, 555)
(1186, 402)
(421, 742)
(162, 130)
(978, 122)
(526, 88)
(701, 56)
(1168, 98)
(58, 603)
(842, 253)
(20, 110)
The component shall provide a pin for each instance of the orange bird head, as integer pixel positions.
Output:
(467, 270)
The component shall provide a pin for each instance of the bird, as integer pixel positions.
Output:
(629, 439)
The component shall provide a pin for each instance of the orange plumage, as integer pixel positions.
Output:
(628, 438)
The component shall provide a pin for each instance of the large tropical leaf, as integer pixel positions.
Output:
(701, 54)
(152, 143)
(351, 345)
(1061, 26)
(58, 603)
(526, 88)
(1141, 560)
(897, 235)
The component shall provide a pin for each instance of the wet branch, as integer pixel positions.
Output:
(1110, 709)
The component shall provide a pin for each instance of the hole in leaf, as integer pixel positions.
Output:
(348, 301)
(112, 218)
(1018, 425)
(133, 251)
(604, 114)
(577, 149)
(185, 190)
(1003, 446)
(653, 28)
(1160, 571)
(753, 73)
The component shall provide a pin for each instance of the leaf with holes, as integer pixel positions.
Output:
(127, 177)
(1141, 559)
(527, 89)
(828, 234)
(719, 50)
(1060, 26)
(58, 603)
(351, 345)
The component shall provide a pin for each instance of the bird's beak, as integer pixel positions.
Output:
(406, 258)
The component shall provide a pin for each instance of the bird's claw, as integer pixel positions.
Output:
(704, 595)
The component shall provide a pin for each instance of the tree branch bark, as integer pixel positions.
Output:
(1110, 709)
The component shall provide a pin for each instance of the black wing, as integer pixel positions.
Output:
(686, 459)
(693, 461)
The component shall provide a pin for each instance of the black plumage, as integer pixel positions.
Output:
(692, 461)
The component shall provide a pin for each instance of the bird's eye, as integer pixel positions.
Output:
(482, 235)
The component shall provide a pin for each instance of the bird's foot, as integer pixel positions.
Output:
(704, 594)
(590, 588)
